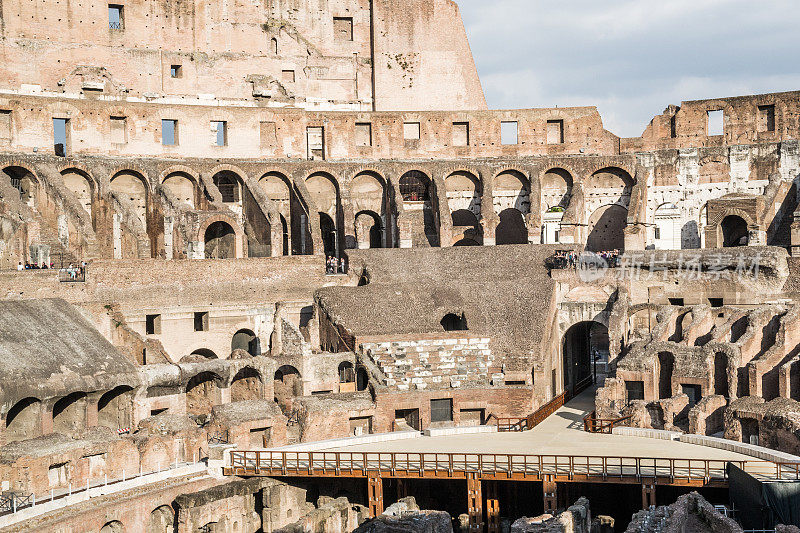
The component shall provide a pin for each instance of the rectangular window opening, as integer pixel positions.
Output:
(5, 124)
(411, 131)
(115, 17)
(693, 392)
(343, 29)
(153, 324)
(61, 136)
(460, 133)
(657, 233)
(766, 118)
(119, 130)
(678, 302)
(169, 132)
(316, 142)
(219, 132)
(442, 410)
(201, 321)
(154, 412)
(288, 76)
(673, 126)
(176, 71)
(509, 133)
(634, 390)
(363, 134)
(555, 132)
(716, 302)
(716, 123)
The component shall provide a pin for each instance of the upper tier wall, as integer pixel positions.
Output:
(303, 53)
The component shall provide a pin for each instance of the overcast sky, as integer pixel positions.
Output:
(631, 58)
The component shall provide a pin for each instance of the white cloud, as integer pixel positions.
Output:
(631, 58)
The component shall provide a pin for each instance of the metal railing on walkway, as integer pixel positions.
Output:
(611, 469)
(592, 424)
(508, 424)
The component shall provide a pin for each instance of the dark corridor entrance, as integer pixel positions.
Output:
(584, 344)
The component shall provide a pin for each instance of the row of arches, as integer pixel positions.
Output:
(69, 414)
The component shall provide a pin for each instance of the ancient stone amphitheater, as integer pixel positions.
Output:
(274, 266)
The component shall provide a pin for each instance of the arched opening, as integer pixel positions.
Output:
(467, 242)
(130, 188)
(721, 374)
(114, 408)
(181, 186)
(273, 46)
(81, 187)
(246, 340)
(414, 187)
(362, 378)
(288, 383)
(202, 393)
(229, 186)
(734, 231)
(328, 230)
(162, 520)
(24, 420)
(464, 194)
(556, 189)
(454, 322)
(511, 229)
(606, 229)
(220, 241)
(25, 182)
(346, 372)
(69, 413)
(205, 353)
(584, 344)
(115, 526)
(246, 385)
(369, 231)
(666, 366)
(511, 190)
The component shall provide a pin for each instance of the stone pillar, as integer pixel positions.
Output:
(362, 233)
(405, 225)
(224, 395)
(116, 232)
(92, 401)
(349, 224)
(276, 237)
(375, 494)
(474, 503)
(168, 229)
(47, 417)
(648, 495)
(550, 492)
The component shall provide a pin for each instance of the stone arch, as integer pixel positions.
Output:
(24, 420)
(69, 413)
(556, 188)
(162, 520)
(205, 353)
(324, 191)
(24, 179)
(246, 385)
(246, 339)
(278, 189)
(114, 409)
(464, 192)
(606, 226)
(183, 187)
(454, 322)
(346, 372)
(288, 382)
(115, 526)
(227, 242)
(511, 189)
(734, 231)
(82, 186)
(607, 186)
(132, 187)
(369, 230)
(202, 393)
(230, 185)
(512, 228)
(415, 186)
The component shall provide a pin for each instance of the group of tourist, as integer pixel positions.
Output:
(572, 258)
(74, 273)
(334, 265)
(34, 266)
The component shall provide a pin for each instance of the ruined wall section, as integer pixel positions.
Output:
(420, 65)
